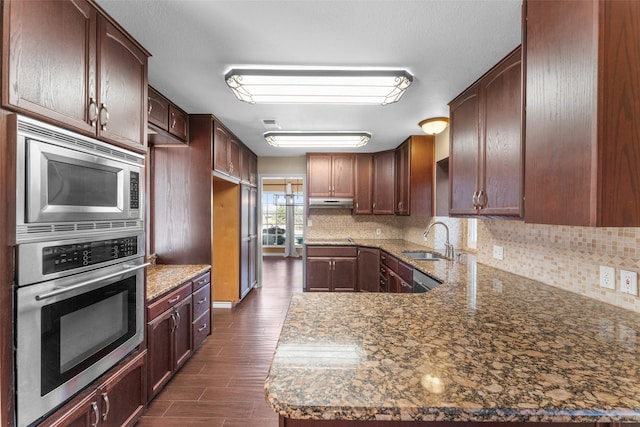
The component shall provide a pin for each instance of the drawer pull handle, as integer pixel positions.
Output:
(203, 328)
(172, 300)
(202, 300)
(105, 398)
(96, 413)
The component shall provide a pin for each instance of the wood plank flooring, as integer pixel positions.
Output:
(222, 385)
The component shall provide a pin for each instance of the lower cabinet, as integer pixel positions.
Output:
(395, 276)
(178, 323)
(119, 400)
(368, 266)
(331, 269)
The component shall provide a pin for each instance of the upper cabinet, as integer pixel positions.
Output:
(486, 151)
(330, 175)
(383, 182)
(414, 171)
(582, 113)
(67, 63)
(232, 160)
(363, 199)
(168, 123)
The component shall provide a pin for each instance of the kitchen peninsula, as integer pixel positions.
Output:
(485, 346)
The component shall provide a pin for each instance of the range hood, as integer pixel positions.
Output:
(331, 202)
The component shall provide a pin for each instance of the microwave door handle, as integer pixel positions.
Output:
(88, 282)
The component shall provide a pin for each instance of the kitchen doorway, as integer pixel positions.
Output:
(281, 223)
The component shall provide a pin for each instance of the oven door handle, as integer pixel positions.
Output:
(88, 282)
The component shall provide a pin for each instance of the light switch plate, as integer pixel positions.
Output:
(629, 282)
(498, 252)
(607, 277)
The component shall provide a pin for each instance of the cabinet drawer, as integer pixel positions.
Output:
(201, 301)
(166, 302)
(201, 281)
(405, 272)
(383, 284)
(201, 328)
(332, 251)
(389, 261)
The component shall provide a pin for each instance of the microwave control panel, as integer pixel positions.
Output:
(134, 190)
(67, 257)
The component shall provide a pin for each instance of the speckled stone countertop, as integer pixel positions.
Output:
(161, 278)
(485, 346)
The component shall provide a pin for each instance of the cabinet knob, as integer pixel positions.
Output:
(103, 117)
(93, 111)
(105, 399)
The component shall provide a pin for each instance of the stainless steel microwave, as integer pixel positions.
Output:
(69, 184)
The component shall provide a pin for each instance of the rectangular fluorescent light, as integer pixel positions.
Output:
(317, 139)
(318, 86)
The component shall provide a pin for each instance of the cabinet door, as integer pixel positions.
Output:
(51, 63)
(234, 157)
(160, 348)
(393, 282)
(384, 183)
(157, 109)
(253, 169)
(368, 269)
(463, 153)
(123, 396)
(363, 202)
(502, 143)
(178, 123)
(319, 175)
(245, 165)
(318, 274)
(123, 87)
(344, 274)
(83, 414)
(343, 166)
(182, 333)
(402, 179)
(220, 149)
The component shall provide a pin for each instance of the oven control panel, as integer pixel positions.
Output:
(67, 257)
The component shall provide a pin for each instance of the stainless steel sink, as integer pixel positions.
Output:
(423, 255)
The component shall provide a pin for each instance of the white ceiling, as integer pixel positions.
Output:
(446, 45)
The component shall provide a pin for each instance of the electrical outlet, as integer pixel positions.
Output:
(629, 282)
(498, 252)
(607, 277)
(378, 232)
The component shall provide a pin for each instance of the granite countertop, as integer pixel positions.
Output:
(485, 346)
(162, 278)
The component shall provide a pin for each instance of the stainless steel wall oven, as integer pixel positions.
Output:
(79, 294)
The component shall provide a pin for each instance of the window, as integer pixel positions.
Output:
(274, 206)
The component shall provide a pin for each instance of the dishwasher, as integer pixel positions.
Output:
(423, 282)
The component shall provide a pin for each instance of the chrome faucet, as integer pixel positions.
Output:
(449, 252)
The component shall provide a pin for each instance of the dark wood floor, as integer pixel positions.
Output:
(222, 385)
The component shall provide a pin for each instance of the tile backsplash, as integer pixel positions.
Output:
(562, 256)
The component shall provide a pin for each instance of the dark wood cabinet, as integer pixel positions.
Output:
(330, 175)
(248, 166)
(331, 269)
(414, 171)
(486, 151)
(383, 183)
(67, 63)
(169, 331)
(394, 275)
(582, 113)
(169, 123)
(248, 238)
(368, 267)
(226, 152)
(363, 198)
(118, 400)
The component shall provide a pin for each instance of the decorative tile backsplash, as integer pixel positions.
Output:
(561, 256)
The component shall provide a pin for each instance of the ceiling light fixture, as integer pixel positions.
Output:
(317, 139)
(434, 125)
(318, 86)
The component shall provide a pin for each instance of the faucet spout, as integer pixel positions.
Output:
(449, 251)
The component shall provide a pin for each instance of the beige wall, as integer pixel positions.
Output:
(285, 166)
(442, 144)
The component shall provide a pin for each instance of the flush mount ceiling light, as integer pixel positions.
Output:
(434, 125)
(317, 139)
(318, 86)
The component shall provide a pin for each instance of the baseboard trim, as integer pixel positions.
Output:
(223, 304)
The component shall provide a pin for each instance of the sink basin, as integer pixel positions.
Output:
(423, 255)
